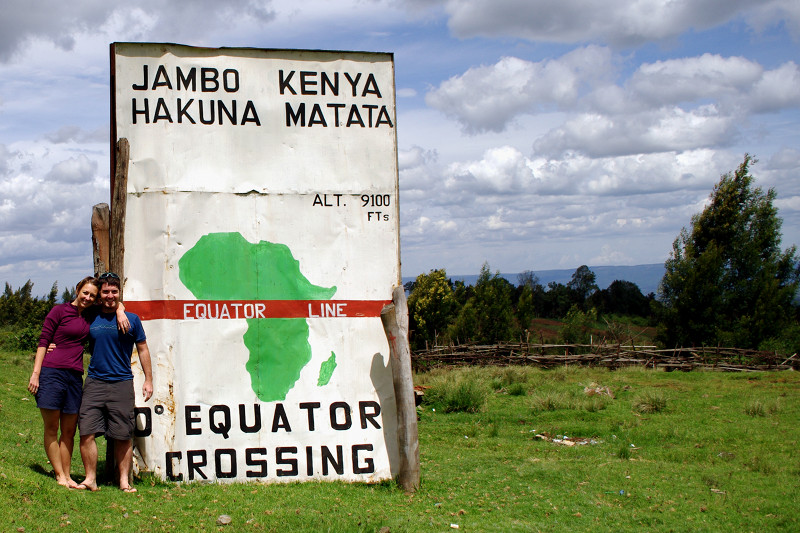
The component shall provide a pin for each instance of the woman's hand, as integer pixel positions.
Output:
(33, 383)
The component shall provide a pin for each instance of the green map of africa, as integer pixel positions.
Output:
(225, 266)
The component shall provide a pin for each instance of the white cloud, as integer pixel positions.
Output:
(660, 130)
(63, 23)
(502, 170)
(689, 79)
(22, 22)
(618, 22)
(777, 89)
(72, 133)
(610, 256)
(776, 12)
(5, 156)
(487, 98)
(670, 105)
(74, 170)
(406, 93)
(563, 202)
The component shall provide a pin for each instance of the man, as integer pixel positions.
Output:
(108, 395)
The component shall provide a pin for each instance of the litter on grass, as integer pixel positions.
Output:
(593, 389)
(567, 441)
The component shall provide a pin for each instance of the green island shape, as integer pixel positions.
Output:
(326, 370)
(225, 266)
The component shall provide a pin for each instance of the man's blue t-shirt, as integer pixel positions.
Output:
(111, 349)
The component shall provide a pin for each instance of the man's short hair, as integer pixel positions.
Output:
(109, 278)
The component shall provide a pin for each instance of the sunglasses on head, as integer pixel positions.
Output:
(107, 275)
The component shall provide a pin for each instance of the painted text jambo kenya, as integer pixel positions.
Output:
(299, 86)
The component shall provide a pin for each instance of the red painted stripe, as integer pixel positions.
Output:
(240, 309)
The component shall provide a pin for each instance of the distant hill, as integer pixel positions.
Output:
(646, 277)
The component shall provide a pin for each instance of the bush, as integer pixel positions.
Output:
(787, 342)
(463, 394)
(551, 402)
(517, 389)
(755, 408)
(577, 324)
(27, 339)
(650, 402)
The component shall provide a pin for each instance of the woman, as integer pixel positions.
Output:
(57, 378)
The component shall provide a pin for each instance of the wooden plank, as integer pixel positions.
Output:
(395, 323)
(119, 188)
(100, 238)
(116, 255)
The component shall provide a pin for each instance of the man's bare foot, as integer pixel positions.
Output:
(87, 486)
(128, 489)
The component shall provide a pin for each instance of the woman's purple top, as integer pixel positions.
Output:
(67, 328)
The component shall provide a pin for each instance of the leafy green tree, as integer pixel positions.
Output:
(577, 325)
(431, 307)
(557, 300)
(530, 294)
(465, 324)
(21, 309)
(68, 296)
(9, 308)
(488, 313)
(623, 298)
(727, 281)
(462, 292)
(23, 314)
(583, 284)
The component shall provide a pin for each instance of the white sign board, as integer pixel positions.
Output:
(261, 243)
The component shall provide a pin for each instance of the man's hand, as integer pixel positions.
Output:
(51, 347)
(147, 390)
(144, 360)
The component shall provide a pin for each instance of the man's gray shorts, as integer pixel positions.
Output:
(107, 407)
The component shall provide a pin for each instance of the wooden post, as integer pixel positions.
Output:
(116, 256)
(100, 226)
(119, 188)
(395, 323)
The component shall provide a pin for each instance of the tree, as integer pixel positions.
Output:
(487, 317)
(583, 284)
(431, 306)
(21, 309)
(529, 296)
(623, 298)
(68, 295)
(577, 326)
(727, 281)
(556, 300)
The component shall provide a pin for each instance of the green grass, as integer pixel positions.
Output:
(708, 458)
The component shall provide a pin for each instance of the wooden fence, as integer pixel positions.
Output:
(605, 355)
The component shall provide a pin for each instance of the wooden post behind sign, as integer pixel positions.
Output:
(119, 188)
(116, 258)
(100, 226)
(395, 323)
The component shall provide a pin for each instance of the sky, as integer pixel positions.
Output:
(532, 134)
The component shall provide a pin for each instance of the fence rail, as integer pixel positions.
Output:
(605, 355)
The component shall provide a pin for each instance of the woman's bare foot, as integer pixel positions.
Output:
(66, 482)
